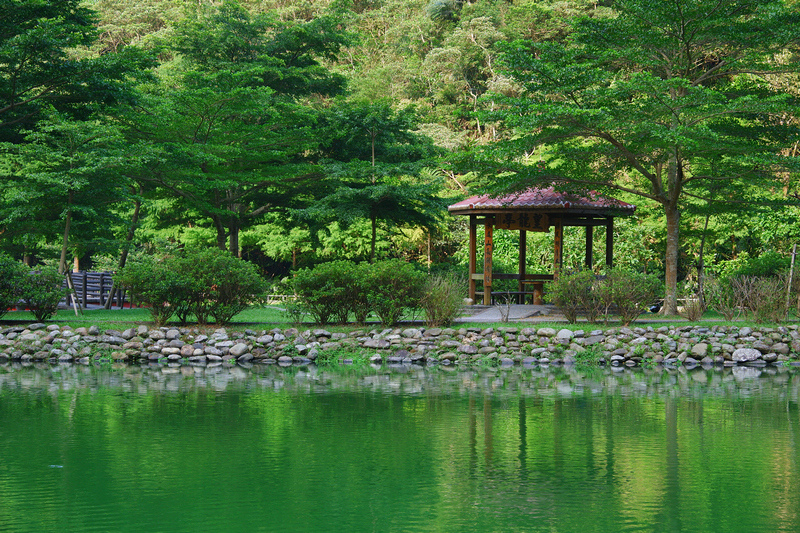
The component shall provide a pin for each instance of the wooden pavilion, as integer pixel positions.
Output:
(534, 210)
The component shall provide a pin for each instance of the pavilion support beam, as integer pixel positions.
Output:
(488, 247)
(473, 255)
(589, 242)
(610, 243)
(558, 242)
(523, 252)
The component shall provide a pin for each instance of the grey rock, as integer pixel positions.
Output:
(564, 334)
(380, 344)
(762, 347)
(238, 349)
(743, 355)
(781, 348)
(546, 332)
(700, 350)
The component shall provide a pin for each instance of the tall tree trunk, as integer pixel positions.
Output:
(137, 207)
(222, 237)
(233, 237)
(62, 262)
(123, 256)
(671, 262)
(701, 266)
(374, 219)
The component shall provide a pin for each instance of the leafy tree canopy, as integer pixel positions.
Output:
(40, 66)
(658, 101)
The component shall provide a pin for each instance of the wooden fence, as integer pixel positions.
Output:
(94, 288)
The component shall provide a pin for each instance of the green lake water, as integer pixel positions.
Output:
(405, 449)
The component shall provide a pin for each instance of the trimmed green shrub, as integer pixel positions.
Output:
(631, 292)
(42, 290)
(337, 290)
(11, 279)
(224, 285)
(200, 283)
(392, 287)
(155, 283)
(572, 292)
(442, 299)
(331, 291)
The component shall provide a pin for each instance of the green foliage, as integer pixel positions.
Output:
(11, 276)
(336, 358)
(632, 292)
(392, 287)
(442, 299)
(207, 283)
(333, 291)
(572, 292)
(373, 131)
(721, 295)
(764, 298)
(589, 356)
(228, 129)
(42, 290)
(152, 281)
(63, 181)
(221, 287)
(768, 264)
(633, 103)
(39, 64)
(377, 157)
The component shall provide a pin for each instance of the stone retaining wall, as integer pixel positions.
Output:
(676, 345)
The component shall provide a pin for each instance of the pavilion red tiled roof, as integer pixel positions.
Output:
(543, 199)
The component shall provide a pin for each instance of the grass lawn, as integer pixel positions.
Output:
(264, 318)
(269, 317)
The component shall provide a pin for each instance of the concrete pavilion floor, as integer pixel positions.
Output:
(517, 313)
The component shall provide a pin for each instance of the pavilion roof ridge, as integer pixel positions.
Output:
(543, 198)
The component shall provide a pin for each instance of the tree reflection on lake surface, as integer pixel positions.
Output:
(138, 448)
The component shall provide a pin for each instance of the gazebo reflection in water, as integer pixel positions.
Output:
(535, 209)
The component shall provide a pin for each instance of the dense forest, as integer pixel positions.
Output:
(292, 132)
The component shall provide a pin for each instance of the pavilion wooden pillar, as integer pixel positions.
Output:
(558, 240)
(589, 242)
(610, 242)
(523, 252)
(473, 253)
(488, 247)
